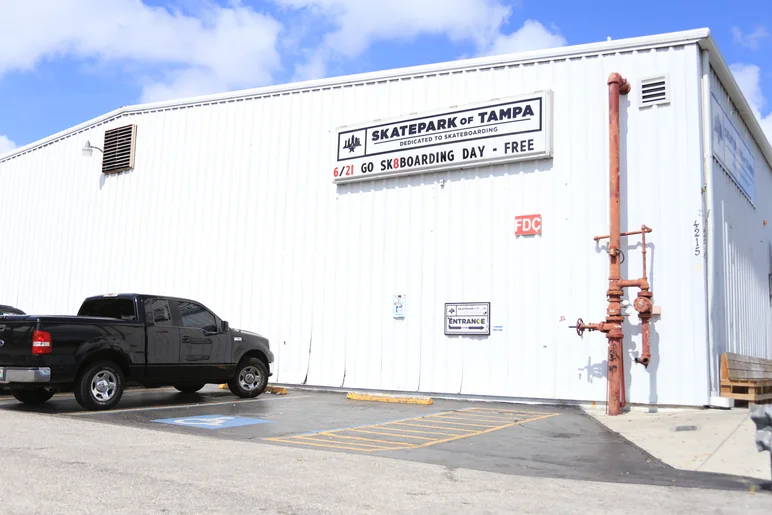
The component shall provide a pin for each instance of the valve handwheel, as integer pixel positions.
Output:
(579, 326)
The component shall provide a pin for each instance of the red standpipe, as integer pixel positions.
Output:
(612, 327)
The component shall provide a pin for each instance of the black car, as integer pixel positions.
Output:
(115, 340)
(10, 310)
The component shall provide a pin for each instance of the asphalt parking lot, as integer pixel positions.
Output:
(539, 441)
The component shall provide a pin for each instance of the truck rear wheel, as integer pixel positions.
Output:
(36, 396)
(251, 378)
(99, 386)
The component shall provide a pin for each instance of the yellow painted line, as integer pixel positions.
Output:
(392, 428)
(447, 420)
(392, 434)
(390, 442)
(427, 444)
(330, 439)
(360, 446)
(390, 445)
(329, 446)
(461, 415)
(516, 412)
(389, 398)
(278, 390)
(446, 428)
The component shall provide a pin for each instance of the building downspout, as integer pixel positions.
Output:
(707, 207)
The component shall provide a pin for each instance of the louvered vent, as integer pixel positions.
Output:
(119, 149)
(655, 90)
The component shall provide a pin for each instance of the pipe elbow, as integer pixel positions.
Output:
(616, 78)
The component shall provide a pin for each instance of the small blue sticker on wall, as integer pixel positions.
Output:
(498, 328)
(212, 421)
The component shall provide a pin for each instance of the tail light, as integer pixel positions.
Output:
(41, 342)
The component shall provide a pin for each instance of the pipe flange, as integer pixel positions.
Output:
(643, 305)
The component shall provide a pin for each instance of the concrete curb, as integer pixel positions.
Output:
(402, 399)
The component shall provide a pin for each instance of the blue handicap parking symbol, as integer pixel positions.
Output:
(212, 421)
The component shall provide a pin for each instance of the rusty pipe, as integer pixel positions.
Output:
(631, 233)
(645, 357)
(617, 86)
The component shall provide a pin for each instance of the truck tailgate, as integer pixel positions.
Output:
(16, 342)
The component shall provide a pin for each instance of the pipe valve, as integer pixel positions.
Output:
(579, 326)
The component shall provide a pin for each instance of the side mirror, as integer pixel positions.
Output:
(225, 326)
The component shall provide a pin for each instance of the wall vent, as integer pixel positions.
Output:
(655, 90)
(119, 149)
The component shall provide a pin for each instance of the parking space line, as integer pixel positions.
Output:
(390, 442)
(481, 418)
(448, 420)
(176, 406)
(394, 434)
(314, 444)
(516, 412)
(429, 434)
(446, 428)
(331, 439)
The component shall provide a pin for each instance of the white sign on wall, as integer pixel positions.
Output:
(502, 130)
(732, 151)
(398, 305)
(468, 318)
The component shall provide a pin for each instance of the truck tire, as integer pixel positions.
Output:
(99, 386)
(37, 396)
(189, 388)
(251, 378)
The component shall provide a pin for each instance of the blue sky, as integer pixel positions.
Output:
(66, 61)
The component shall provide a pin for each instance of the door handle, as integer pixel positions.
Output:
(186, 339)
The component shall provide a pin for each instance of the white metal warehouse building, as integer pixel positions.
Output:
(232, 200)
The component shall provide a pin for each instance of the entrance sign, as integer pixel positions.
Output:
(498, 131)
(468, 318)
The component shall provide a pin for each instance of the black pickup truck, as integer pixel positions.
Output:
(119, 340)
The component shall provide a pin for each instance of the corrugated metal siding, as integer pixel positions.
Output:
(741, 307)
(233, 204)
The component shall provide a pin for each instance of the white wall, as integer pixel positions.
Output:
(232, 203)
(740, 307)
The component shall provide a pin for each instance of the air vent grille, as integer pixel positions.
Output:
(655, 90)
(119, 149)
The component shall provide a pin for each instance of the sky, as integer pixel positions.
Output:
(63, 62)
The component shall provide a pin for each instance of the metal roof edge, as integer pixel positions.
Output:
(626, 44)
(726, 76)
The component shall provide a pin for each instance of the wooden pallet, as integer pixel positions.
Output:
(746, 378)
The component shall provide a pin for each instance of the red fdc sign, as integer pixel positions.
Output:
(527, 225)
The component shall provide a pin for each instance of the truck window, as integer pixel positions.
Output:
(196, 316)
(122, 309)
(159, 312)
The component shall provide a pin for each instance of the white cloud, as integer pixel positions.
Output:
(358, 24)
(203, 47)
(531, 36)
(751, 40)
(6, 145)
(748, 77)
(217, 49)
